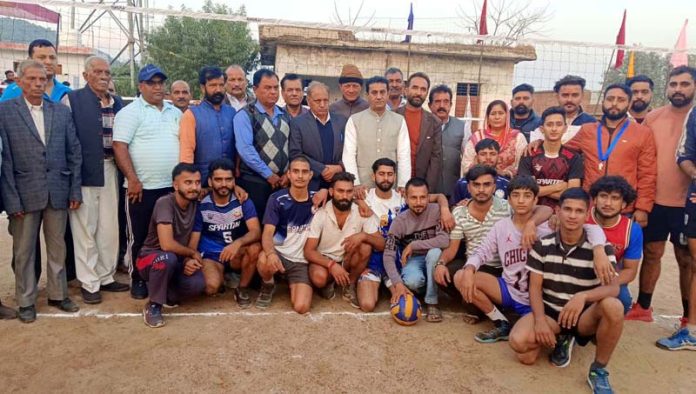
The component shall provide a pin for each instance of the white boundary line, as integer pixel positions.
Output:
(313, 315)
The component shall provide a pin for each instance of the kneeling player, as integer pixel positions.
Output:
(340, 241)
(226, 232)
(285, 229)
(504, 241)
(566, 296)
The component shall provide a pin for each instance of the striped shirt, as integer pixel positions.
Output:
(153, 141)
(473, 231)
(566, 272)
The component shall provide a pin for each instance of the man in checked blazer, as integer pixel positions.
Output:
(319, 135)
(41, 160)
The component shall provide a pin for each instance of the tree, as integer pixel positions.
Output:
(183, 45)
(654, 65)
(350, 19)
(512, 20)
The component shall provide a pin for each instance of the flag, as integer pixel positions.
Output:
(631, 71)
(28, 11)
(679, 56)
(483, 25)
(467, 116)
(621, 40)
(410, 24)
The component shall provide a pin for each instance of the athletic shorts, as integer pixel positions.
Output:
(374, 276)
(212, 256)
(690, 215)
(579, 339)
(509, 302)
(666, 223)
(295, 272)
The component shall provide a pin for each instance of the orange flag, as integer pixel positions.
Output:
(631, 71)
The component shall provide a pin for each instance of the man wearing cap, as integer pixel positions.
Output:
(205, 133)
(146, 148)
(350, 82)
(522, 116)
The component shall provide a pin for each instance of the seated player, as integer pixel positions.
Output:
(385, 202)
(504, 242)
(610, 195)
(487, 151)
(226, 232)
(567, 297)
(167, 261)
(340, 241)
(285, 229)
(555, 167)
(418, 232)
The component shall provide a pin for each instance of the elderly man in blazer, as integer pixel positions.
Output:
(40, 181)
(318, 135)
(424, 131)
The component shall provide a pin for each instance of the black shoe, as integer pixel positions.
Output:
(65, 305)
(115, 287)
(7, 313)
(152, 315)
(27, 314)
(91, 298)
(563, 351)
(138, 290)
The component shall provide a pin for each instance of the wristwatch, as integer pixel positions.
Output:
(440, 262)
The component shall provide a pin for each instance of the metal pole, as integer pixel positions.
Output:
(131, 47)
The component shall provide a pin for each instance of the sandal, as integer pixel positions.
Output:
(433, 314)
(470, 318)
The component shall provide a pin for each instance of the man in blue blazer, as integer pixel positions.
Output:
(40, 181)
(318, 135)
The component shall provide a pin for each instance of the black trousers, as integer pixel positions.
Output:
(259, 190)
(139, 215)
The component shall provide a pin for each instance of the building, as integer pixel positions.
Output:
(319, 54)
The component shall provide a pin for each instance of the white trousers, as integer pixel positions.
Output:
(95, 232)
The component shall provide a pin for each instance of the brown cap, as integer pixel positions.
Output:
(350, 73)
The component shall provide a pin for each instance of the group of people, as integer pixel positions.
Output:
(537, 219)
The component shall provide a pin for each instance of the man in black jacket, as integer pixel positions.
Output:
(95, 224)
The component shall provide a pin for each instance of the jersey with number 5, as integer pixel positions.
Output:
(221, 225)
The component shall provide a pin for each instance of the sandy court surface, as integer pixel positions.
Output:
(210, 345)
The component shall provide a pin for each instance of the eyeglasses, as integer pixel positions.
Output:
(154, 83)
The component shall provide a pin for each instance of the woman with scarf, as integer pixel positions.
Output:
(497, 127)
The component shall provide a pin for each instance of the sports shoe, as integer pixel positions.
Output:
(680, 340)
(560, 357)
(639, 313)
(27, 314)
(152, 315)
(265, 297)
(351, 296)
(500, 332)
(329, 291)
(138, 290)
(598, 379)
(241, 294)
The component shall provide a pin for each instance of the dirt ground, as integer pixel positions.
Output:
(210, 345)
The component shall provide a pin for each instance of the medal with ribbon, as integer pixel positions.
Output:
(604, 156)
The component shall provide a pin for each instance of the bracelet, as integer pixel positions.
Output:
(442, 263)
(331, 264)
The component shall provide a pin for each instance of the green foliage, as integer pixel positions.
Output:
(182, 46)
(654, 65)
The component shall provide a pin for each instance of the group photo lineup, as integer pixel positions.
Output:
(346, 202)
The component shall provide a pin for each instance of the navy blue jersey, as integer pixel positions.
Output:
(221, 225)
(291, 220)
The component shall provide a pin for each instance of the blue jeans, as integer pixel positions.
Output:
(418, 275)
(625, 298)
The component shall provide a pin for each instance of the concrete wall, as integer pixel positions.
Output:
(72, 65)
(496, 75)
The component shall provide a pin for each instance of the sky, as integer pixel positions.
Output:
(595, 21)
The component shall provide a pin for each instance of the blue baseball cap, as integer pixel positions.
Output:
(149, 71)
